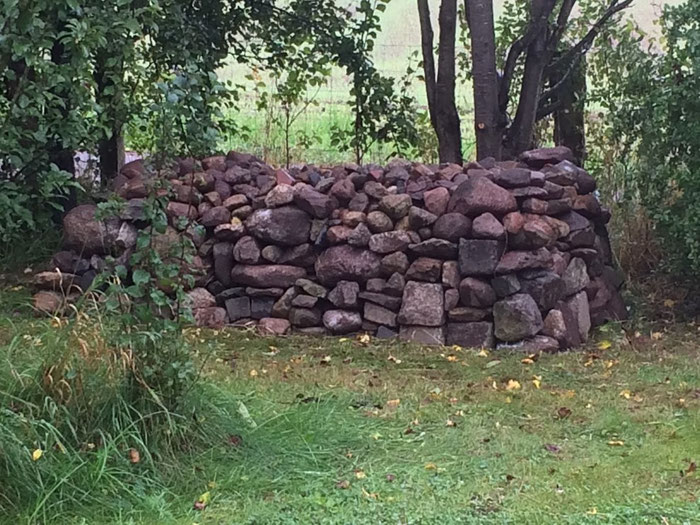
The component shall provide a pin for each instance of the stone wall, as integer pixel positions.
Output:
(509, 254)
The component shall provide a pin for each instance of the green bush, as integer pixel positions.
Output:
(649, 92)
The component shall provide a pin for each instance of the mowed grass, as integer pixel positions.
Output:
(343, 431)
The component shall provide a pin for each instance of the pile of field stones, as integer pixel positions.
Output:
(490, 254)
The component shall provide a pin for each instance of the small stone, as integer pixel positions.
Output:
(351, 219)
(359, 203)
(304, 301)
(471, 335)
(275, 293)
(395, 285)
(345, 263)
(388, 242)
(438, 248)
(450, 274)
(273, 326)
(304, 317)
(423, 305)
(575, 277)
(425, 269)
(538, 158)
(286, 226)
(466, 314)
(312, 202)
(419, 218)
(212, 317)
(452, 227)
(360, 236)
(396, 206)
(200, 298)
(546, 288)
(261, 307)
(479, 256)
(338, 234)
(379, 222)
(344, 295)
(451, 299)
(486, 226)
(515, 261)
(379, 315)
(534, 345)
(56, 281)
(311, 288)
(479, 195)
(238, 308)
(394, 263)
(554, 325)
(229, 232)
(284, 304)
(476, 293)
(436, 200)
(215, 216)
(505, 285)
(341, 322)
(235, 201)
(512, 178)
(279, 196)
(48, 302)
(275, 276)
(272, 253)
(387, 301)
(516, 317)
(246, 251)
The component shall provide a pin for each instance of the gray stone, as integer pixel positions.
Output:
(345, 263)
(83, 233)
(450, 274)
(438, 248)
(312, 288)
(360, 236)
(546, 289)
(479, 195)
(286, 226)
(279, 196)
(340, 322)
(451, 299)
(534, 345)
(273, 326)
(466, 314)
(554, 325)
(396, 206)
(304, 301)
(223, 262)
(275, 293)
(452, 227)
(516, 261)
(419, 218)
(423, 305)
(387, 301)
(512, 178)
(304, 317)
(479, 256)
(212, 317)
(379, 315)
(476, 293)
(238, 308)
(388, 242)
(247, 251)
(312, 202)
(470, 335)
(200, 298)
(425, 269)
(486, 226)
(215, 216)
(344, 295)
(379, 222)
(272, 276)
(394, 263)
(261, 307)
(284, 304)
(505, 285)
(575, 277)
(516, 317)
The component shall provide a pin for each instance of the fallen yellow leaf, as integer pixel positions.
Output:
(604, 345)
(450, 423)
(430, 466)
(656, 335)
(364, 339)
(626, 394)
(669, 303)
(616, 443)
(527, 361)
(394, 360)
(393, 403)
(483, 353)
(134, 455)
(360, 474)
(36, 455)
(452, 358)
(513, 385)
(537, 381)
(253, 373)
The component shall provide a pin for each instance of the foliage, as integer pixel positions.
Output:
(648, 91)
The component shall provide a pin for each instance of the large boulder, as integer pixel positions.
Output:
(346, 263)
(470, 335)
(517, 317)
(479, 256)
(342, 321)
(538, 158)
(287, 225)
(479, 195)
(83, 233)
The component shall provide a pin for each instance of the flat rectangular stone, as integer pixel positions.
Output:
(471, 335)
(423, 335)
(479, 256)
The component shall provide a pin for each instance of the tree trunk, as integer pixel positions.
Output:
(569, 120)
(110, 147)
(441, 91)
(488, 121)
(521, 132)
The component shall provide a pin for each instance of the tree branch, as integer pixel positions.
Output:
(427, 37)
(539, 14)
(562, 21)
(585, 43)
(545, 111)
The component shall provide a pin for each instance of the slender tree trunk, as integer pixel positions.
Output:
(488, 120)
(110, 147)
(569, 120)
(441, 89)
(520, 135)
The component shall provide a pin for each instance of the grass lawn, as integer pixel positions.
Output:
(343, 431)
